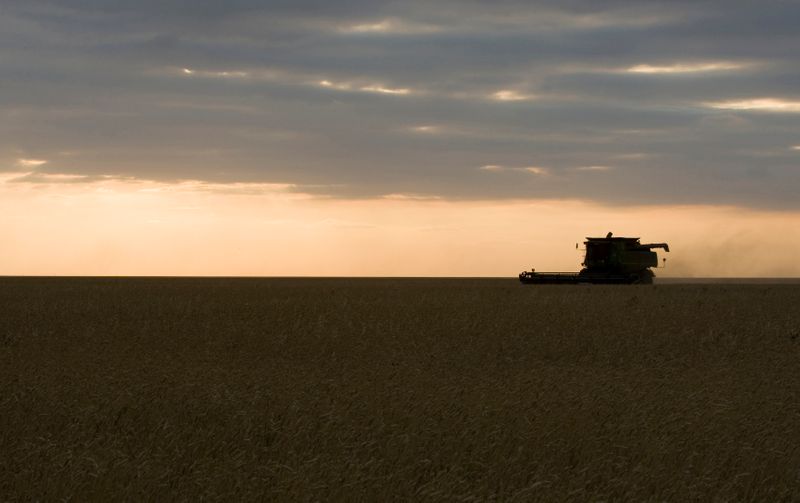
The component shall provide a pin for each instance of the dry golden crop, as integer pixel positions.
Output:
(383, 389)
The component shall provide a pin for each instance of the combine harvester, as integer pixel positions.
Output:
(608, 260)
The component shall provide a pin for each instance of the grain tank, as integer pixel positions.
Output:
(607, 260)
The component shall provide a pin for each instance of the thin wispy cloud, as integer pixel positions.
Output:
(680, 68)
(385, 90)
(46, 178)
(30, 163)
(534, 170)
(370, 88)
(759, 104)
(427, 129)
(222, 74)
(393, 26)
(510, 95)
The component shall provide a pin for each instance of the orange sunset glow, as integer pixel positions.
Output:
(191, 228)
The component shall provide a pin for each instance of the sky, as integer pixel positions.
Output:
(385, 138)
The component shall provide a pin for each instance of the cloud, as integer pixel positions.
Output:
(45, 178)
(371, 88)
(221, 74)
(535, 170)
(682, 68)
(426, 129)
(385, 90)
(510, 95)
(689, 102)
(30, 163)
(759, 104)
(389, 27)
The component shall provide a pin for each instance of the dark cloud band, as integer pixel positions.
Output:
(689, 102)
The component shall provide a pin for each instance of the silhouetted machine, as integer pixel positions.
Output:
(607, 260)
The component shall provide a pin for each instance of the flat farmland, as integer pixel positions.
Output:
(397, 389)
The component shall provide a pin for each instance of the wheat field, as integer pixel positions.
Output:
(396, 389)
